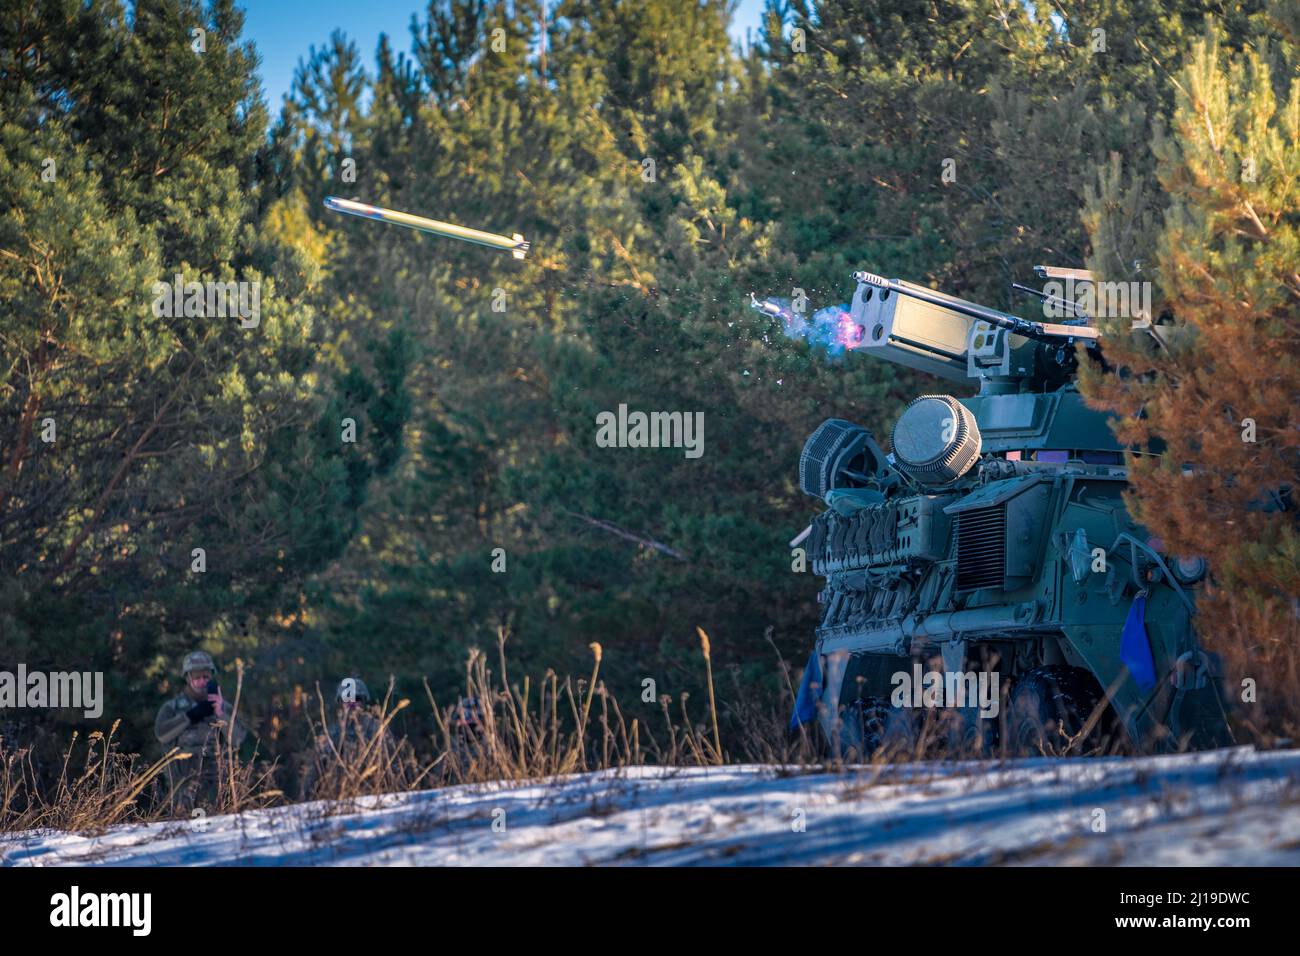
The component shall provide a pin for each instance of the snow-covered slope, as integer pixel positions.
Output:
(1226, 807)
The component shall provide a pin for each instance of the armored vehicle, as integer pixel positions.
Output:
(986, 565)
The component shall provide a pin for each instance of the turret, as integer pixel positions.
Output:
(962, 341)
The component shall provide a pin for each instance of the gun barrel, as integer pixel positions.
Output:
(1042, 331)
(1061, 305)
(515, 244)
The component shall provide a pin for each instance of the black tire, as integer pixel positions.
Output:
(961, 733)
(869, 725)
(1049, 707)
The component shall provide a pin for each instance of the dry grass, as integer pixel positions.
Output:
(101, 789)
(240, 785)
(556, 728)
(527, 731)
(1259, 646)
(363, 760)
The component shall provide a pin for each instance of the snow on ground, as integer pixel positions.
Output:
(1226, 807)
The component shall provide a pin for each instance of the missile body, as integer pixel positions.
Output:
(515, 244)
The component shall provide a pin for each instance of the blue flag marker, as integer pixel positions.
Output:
(805, 703)
(1135, 649)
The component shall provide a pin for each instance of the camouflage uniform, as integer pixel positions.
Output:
(466, 740)
(195, 780)
(351, 735)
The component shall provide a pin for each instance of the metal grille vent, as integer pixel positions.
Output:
(981, 547)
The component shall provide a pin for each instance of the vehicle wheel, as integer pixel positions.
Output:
(870, 724)
(1049, 706)
(963, 734)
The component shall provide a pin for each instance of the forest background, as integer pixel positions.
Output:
(661, 176)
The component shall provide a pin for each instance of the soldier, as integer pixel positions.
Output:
(466, 740)
(350, 741)
(468, 722)
(198, 721)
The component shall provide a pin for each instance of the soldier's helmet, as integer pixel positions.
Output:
(197, 661)
(352, 689)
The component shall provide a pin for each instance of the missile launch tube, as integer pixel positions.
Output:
(1042, 331)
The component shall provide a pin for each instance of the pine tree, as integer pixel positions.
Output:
(164, 478)
(1211, 411)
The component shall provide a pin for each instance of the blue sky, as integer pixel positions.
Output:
(284, 29)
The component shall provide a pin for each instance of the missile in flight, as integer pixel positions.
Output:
(515, 244)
